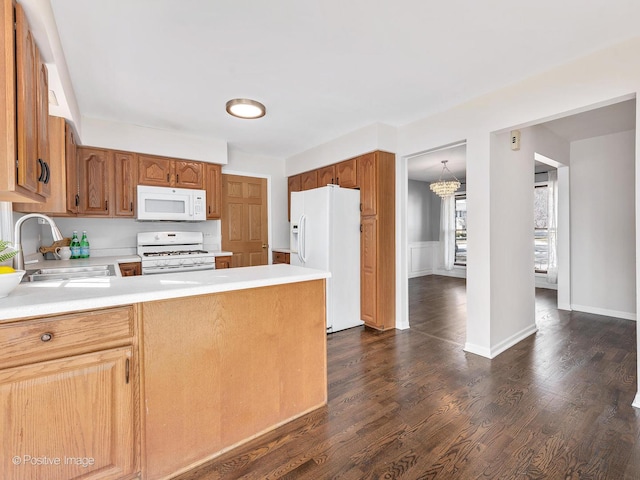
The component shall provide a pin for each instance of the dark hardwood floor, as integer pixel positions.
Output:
(413, 405)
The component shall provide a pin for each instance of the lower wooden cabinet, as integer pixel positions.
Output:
(280, 257)
(223, 262)
(69, 418)
(130, 269)
(68, 390)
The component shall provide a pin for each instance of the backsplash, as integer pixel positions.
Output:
(110, 236)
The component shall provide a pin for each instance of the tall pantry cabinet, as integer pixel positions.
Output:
(376, 173)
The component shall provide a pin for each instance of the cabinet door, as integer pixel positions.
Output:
(126, 179)
(156, 171)
(309, 180)
(71, 168)
(347, 173)
(294, 185)
(130, 269)
(29, 169)
(77, 411)
(223, 262)
(368, 184)
(368, 272)
(56, 203)
(42, 111)
(189, 174)
(94, 171)
(213, 186)
(326, 176)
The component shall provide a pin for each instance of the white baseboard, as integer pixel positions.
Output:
(636, 401)
(421, 273)
(458, 272)
(477, 350)
(512, 340)
(493, 352)
(604, 311)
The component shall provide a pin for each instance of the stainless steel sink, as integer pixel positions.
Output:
(68, 273)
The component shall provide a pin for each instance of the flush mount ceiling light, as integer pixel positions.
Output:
(245, 108)
(445, 188)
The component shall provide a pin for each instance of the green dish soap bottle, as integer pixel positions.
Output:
(75, 245)
(84, 245)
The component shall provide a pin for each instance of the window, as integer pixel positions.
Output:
(461, 230)
(540, 227)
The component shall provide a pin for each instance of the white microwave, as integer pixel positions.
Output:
(171, 204)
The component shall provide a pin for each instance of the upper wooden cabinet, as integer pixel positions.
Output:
(25, 170)
(189, 174)
(126, 173)
(169, 172)
(213, 186)
(368, 182)
(293, 185)
(62, 160)
(95, 171)
(156, 171)
(71, 168)
(107, 182)
(326, 176)
(309, 180)
(42, 115)
(347, 173)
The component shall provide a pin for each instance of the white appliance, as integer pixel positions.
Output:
(166, 252)
(325, 234)
(172, 204)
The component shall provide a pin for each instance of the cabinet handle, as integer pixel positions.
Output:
(77, 199)
(360, 228)
(177, 178)
(48, 173)
(337, 180)
(209, 209)
(42, 171)
(167, 178)
(126, 371)
(361, 207)
(131, 207)
(46, 337)
(106, 204)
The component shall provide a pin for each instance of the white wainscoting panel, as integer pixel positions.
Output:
(421, 258)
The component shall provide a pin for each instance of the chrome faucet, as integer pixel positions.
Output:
(18, 260)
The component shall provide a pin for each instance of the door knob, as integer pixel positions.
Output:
(265, 245)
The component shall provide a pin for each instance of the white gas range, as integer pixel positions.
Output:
(165, 252)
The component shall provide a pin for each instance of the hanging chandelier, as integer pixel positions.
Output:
(445, 188)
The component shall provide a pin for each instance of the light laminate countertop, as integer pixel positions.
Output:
(51, 297)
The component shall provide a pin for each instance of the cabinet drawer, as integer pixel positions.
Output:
(280, 257)
(51, 337)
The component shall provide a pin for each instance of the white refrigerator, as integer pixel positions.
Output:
(325, 234)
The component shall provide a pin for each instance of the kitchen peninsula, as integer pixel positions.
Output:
(149, 376)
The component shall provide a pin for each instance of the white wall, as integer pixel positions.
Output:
(423, 212)
(135, 138)
(603, 252)
(367, 139)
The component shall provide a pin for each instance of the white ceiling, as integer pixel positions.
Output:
(323, 68)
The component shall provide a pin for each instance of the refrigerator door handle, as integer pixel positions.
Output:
(302, 239)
